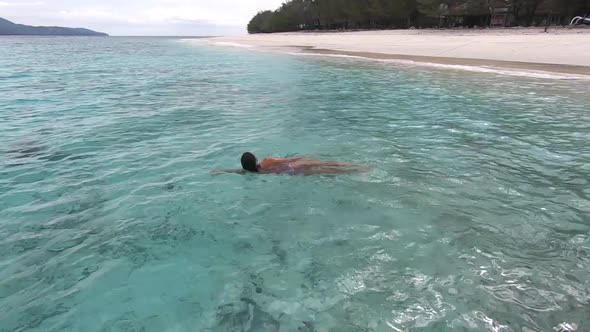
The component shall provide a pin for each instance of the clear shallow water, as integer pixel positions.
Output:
(476, 216)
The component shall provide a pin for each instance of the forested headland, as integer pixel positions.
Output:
(9, 28)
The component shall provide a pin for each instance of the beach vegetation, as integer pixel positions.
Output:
(303, 15)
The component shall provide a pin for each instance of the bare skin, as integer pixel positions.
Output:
(300, 166)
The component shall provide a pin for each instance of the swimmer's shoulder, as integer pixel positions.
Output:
(271, 162)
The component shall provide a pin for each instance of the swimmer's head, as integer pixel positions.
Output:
(249, 162)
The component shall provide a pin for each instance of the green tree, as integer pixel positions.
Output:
(525, 11)
(260, 23)
(296, 15)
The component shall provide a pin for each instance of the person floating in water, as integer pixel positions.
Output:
(293, 166)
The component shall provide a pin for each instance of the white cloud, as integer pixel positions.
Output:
(141, 17)
(185, 13)
(21, 4)
(94, 15)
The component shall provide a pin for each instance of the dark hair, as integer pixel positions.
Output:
(249, 162)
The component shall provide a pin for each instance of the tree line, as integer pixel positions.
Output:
(296, 15)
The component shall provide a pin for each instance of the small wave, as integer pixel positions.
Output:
(479, 69)
(232, 44)
(216, 43)
(193, 41)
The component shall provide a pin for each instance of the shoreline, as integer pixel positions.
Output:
(562, 51)
(456, 62)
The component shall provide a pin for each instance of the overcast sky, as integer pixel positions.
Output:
(140, 17)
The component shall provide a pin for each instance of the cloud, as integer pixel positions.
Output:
(138, 17)
(95, 15)
(21, 4)
(189, 13)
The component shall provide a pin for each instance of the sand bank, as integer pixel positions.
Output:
(560, 50)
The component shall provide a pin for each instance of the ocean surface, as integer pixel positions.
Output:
(476, 216)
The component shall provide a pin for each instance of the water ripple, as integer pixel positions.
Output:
(475, 217)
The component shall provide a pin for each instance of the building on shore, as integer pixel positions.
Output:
(503, 13)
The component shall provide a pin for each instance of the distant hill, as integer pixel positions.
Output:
(9, 28)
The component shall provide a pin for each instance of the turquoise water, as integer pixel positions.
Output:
(476, 215)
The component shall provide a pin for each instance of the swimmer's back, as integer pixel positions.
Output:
(271, 162)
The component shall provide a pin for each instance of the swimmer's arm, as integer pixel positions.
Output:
(227, 171)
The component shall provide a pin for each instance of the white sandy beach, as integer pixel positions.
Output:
(560, 50)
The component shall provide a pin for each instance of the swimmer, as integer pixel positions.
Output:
(293, 166)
